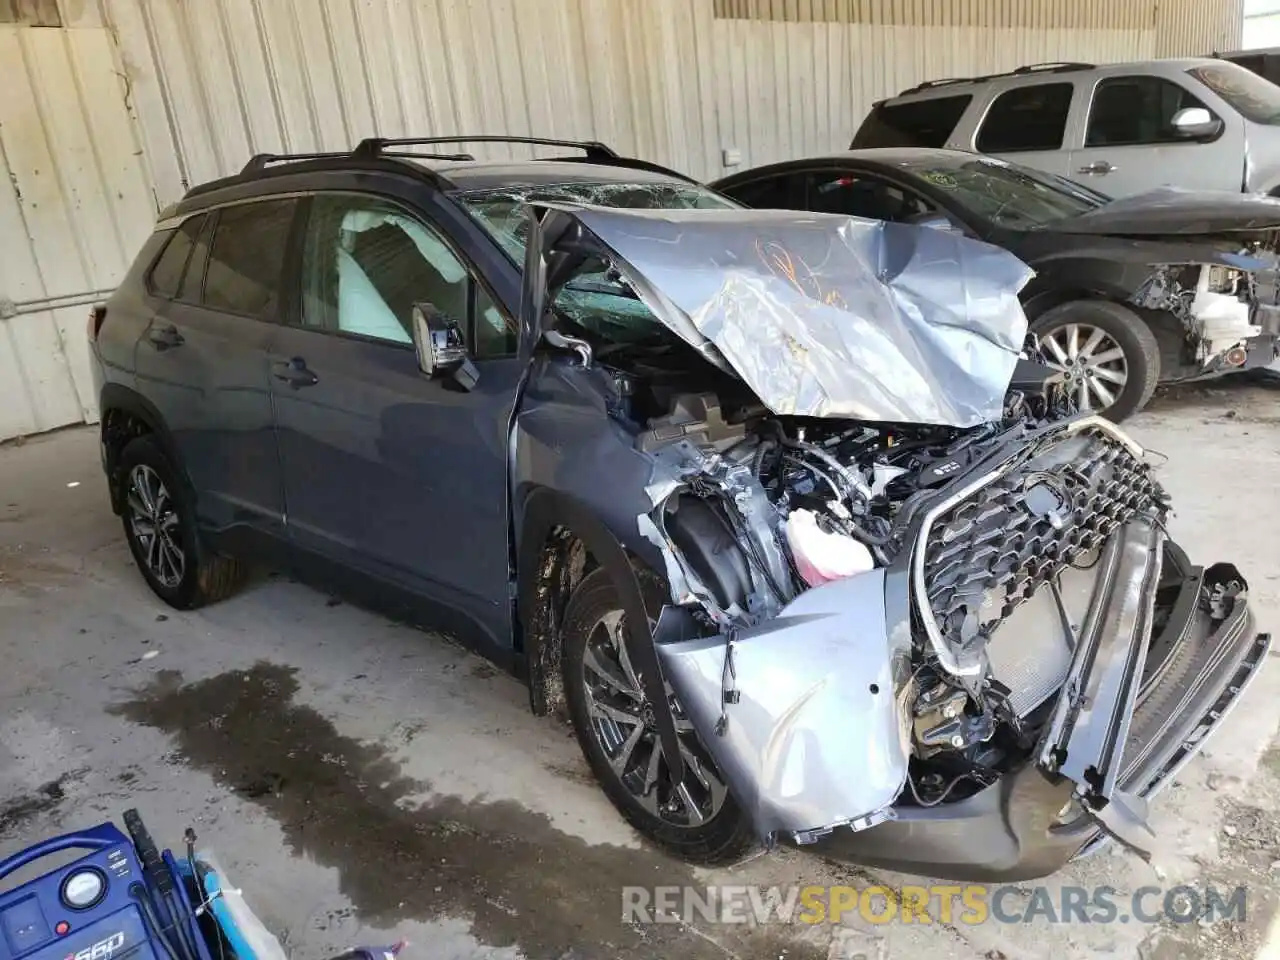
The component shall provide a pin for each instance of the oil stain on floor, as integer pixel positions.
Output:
(346, 805)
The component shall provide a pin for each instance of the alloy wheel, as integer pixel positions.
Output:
(154, 520)
(622, 721)
(1091, 362)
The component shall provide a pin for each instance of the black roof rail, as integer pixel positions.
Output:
(1057, 66)
(375, 146)
(259, 161)
(632, 163)
(1062, 67)
(930, 84)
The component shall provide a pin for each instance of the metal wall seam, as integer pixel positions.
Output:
(270, 76)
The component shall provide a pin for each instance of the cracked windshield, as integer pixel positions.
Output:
(597, 301)
(1256, 99)
(1007, 195)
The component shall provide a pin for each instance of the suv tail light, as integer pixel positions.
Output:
(97, 313)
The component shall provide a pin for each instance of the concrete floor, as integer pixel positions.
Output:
(362, 780)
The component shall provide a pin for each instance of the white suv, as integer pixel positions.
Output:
(1197, 123)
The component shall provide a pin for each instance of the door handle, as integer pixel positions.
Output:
(1098, 166)
(294, 372)
(165, 337)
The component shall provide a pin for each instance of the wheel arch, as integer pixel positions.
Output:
(561, 540)
(126, 414)
(1044, 300)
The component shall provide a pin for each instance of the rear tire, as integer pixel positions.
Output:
(725, 835)
(159, 518)
(1122, 360)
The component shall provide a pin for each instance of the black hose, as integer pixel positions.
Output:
(181, 924)
(139, 894)
(757, 459)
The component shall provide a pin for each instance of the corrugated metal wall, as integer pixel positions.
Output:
(74, 206)
(128, 102)
(1193, 27)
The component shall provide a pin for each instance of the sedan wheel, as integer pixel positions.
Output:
(1104, 352)
(153, 516)
(1093, 364)
(622, 721)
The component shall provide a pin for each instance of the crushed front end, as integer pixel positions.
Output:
(933, 623)
(1228, 308)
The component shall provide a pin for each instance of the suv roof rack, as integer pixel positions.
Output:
(1051, 67)
(373, 148)
(377, 146)
(370, 147)
(260, 161)
(1054, 66)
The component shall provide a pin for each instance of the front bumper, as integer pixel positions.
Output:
(1012, 830)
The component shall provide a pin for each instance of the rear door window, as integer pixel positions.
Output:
(922, 123)
(246, 258)
(859, 195)
(785, 191)
(1136, 110)
(193, 279)
(166, 275)
(1033, 117)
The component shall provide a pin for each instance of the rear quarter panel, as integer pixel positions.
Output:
(128, 314)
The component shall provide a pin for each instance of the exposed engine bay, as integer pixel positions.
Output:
(752, 510)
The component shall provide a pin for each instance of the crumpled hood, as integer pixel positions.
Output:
(821, 315)
(1169, 211)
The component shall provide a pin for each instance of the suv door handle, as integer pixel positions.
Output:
(294, 372)
(1098, 166)
(165, 337)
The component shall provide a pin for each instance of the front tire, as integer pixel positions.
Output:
(160, 524)
(697, 819)
(1107, 353)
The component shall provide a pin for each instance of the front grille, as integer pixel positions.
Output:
(993, 550)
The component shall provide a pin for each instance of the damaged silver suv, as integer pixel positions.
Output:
(768, 502)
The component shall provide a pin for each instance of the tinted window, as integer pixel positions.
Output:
(366, 263)
(923, 123)
(166, 275)
(1134, 110)
(784, 192)
(1026, 118)
(193, 279)
(246, 257)
(1255, 98)
(862, 196)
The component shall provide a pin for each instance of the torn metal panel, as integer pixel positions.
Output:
(1214, 303)
(682, 465)
(821, 315)
(1086, 737)
(816, 738)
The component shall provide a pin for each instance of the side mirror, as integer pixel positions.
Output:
(442, 352)
(1196, 123)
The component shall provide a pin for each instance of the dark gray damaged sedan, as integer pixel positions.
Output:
(769, 502)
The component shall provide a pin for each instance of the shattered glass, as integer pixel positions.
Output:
(504, 213)
(829, 316)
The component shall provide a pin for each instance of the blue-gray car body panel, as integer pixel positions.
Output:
(373, 467)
